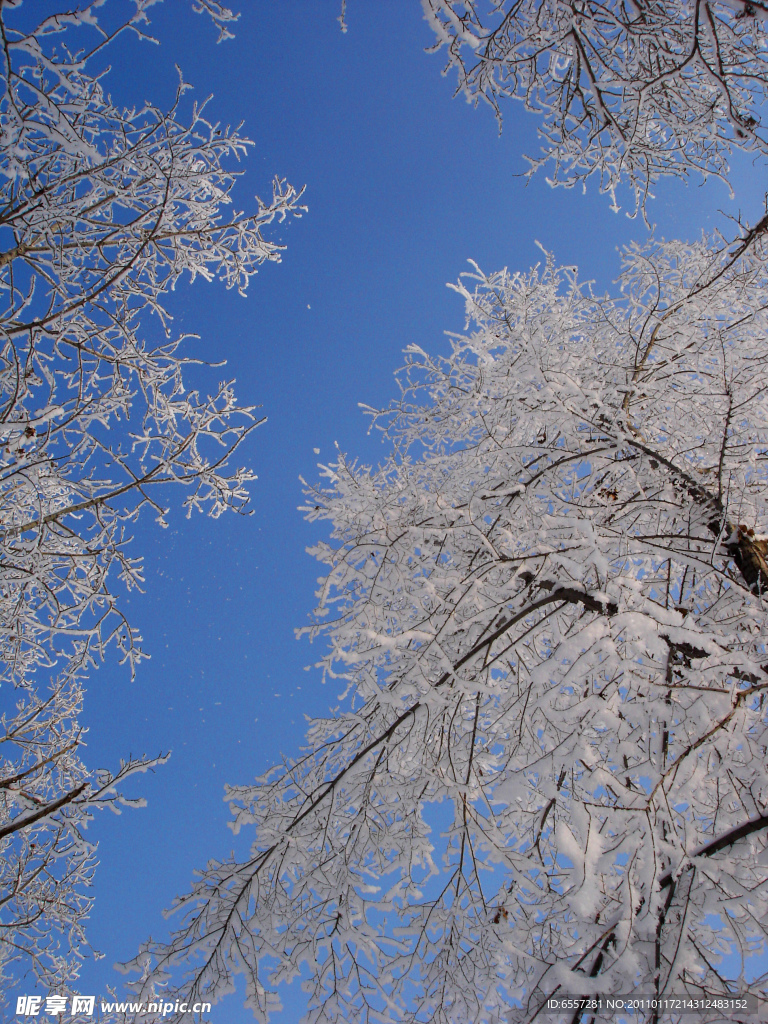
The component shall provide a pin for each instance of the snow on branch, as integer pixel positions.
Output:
(547, 771)
(104, 210)
(629, 90)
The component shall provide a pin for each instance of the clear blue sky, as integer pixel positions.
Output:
(404, 184)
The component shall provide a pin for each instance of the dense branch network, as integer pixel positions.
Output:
(548, 771)
(102, 211)
(629, 90)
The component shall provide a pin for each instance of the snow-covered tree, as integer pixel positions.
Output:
(103, 209)
(546, 612)
(629, 90)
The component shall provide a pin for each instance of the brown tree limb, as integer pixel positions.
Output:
(23, 821)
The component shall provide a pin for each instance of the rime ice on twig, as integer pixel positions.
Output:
(549, 650)
(102, 211)
(628, 90)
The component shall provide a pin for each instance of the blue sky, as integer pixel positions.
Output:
(404, 184)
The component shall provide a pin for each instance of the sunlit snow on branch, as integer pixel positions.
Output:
(628, 90)
(102, 211)
(545, 613)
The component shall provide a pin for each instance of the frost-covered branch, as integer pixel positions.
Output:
(548, 768)
(628, 91)
(104, 209)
